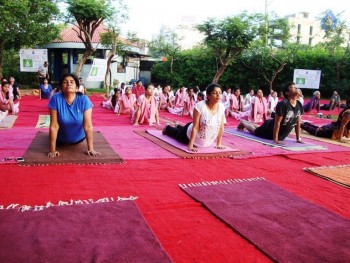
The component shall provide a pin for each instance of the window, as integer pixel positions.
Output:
(311, 29)
(299, 29)
(310, 41)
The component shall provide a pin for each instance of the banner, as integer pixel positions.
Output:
(32, 59)
(98, 70)
(307, 78)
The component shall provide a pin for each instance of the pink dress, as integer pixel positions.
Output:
(236, 110)
(148, 111)
(127, 103)
(179, 103)
(259, 110)
(163, 100)
(190, 102)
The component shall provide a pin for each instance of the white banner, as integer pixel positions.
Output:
(98, 70)
(307, 78)
(32, 59)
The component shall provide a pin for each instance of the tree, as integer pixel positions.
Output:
(269, 58)
(166, 44)
(88, 15)
(26, 23)
(269, 62)
(229, 37)
(335, 31)
(111, 40)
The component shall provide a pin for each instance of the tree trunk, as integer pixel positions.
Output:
(338, 70)
(219, 73)
(81, 63)
(1, 57)
(108, 74)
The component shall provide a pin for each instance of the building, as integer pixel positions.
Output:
(64, 55)
(305, 30)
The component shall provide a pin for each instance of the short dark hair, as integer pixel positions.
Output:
(286, 88)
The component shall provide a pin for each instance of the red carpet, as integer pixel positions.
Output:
(187, 231)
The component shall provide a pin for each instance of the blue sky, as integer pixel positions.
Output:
(146, 17)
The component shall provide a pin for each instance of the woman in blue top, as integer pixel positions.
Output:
(45, 90)
(70, 117)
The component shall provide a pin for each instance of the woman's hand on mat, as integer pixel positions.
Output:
(299, 141)
(135, 124)
(278, 142)
(53, 154)
(93, 153)
(192, 149)
(221, 147)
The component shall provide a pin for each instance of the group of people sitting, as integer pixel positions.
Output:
(10, 96)
(314, 102)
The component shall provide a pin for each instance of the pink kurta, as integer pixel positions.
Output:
(180, 99)
(190, 102)
(259, 110)
(148, 111)
(163, 100)
(127, 103)
(236, 103)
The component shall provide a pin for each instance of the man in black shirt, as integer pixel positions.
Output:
(288, 116)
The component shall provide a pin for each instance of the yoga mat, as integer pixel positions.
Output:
(289, 144)
(282, 225)
(43, 121)
(97, 232)
(346, 142)
(181, 151)
(72, 154)
(339, 174)
(8, 121)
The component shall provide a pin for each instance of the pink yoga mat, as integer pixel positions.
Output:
(183, 147)
(281, 224)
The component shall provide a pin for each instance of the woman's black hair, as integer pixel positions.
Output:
(76, 80)
(235, 89)
(4, 82)
(209, 89)
(200, 94)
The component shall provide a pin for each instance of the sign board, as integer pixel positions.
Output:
(32, 59)
(307, 78)
(98, 70)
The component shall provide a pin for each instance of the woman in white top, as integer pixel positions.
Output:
(207, 125)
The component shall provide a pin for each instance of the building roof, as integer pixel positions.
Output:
(70, 35)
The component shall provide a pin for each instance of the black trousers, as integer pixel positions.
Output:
(179, 132)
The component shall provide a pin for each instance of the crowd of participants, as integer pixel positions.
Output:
(144, 104)
(272, 116)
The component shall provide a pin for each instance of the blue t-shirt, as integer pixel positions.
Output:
(45, 93)
(70, 117)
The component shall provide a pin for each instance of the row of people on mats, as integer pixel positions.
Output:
(255, 107)
(71, 118)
